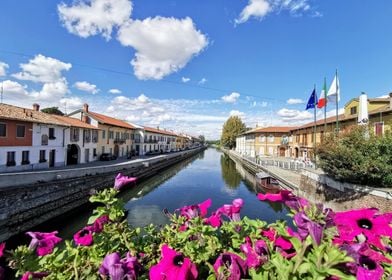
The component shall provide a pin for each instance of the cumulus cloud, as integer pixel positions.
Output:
(202, 81)
(255, 8)
(185, 80)
(87, 87)
(237, 113)
(13, 89)
(260, 8)
(289, 115)
(293, 101)
(51, 91)
(115, 91)
(177, 40)
(42, 69)
(3, 67)
(71, 103)
(87, 18)
(231, 98)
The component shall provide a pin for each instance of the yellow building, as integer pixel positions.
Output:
(273, 141)
(115, 135)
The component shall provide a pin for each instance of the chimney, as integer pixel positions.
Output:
(390, 100)
(35, 107)
(85, 107)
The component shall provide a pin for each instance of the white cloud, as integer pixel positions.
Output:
(115, 91)
(71, 103)
(237, 113)
(260, 8)
(3, 68)
(85, 86)
(255, 8)
(202, 81)
(51, 91)
(289, 115)
(185, 80)
(163, 45)
(87, 18)
(293, 101)
(231, 98)
(13, 89)
(42, 69)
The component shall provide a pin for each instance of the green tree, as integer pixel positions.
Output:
(53, 111)
(202, 139)
(231, 129)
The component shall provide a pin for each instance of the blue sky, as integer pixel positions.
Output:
(189, 65)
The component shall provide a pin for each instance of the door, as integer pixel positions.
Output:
(116, 150)
(87, 155)
(52, 158)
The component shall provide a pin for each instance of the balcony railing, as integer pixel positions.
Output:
(119, 141)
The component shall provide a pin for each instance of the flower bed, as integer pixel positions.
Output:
(221, 245)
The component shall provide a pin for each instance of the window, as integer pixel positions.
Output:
(94, 152)
(51, 133)
(11, 158)
(87, 135)
(271, 138)
(95, 136)
(20, 131)
(103, 134)
(44, 140)
(42, 156)
(3, 130)
(111, 150)
(74, 134)
(111, 134)
(353, 110)
(25, 157)
(103, 149)
(117, 135)
(262, 138)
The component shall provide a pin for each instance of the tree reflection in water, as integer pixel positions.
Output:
(229, 173)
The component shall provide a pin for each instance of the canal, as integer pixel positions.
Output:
(210, 174)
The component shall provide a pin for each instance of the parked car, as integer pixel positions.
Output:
(107, 156)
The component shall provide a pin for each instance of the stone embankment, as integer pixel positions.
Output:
(48, 194)
(318, 187)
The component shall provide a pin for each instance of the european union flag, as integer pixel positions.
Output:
(312, 102)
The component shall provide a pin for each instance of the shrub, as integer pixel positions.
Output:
(357, 156)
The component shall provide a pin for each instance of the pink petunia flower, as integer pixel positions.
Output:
(214, 220)
(118, 269)
(2, 247)
(34, 275)
(84, 237)
(197, 210)
(232, 211)
(99, 223)
(368, 222)
(308, 227)
(43, 242)
(287, 197)
(229, 266)
(282, 245)
(256, 254)
(173, 265)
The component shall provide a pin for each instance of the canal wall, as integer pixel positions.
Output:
(318, 187)
(48, 194)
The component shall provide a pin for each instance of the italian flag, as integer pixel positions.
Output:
(323, 97)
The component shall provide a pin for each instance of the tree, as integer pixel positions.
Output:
(202, 139)
(231, 129)
(53, 111)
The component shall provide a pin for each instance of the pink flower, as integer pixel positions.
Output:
(291, 201)
(100, 222)
(214, 220)
(33, 275)
(122, 180)
(118, 269)
(229, 266)
(2, 246)
(43, 242)
(173, 265)
(307, 227)
(282, 245)
(84, 237)
(193, 211)
(256, 254)
(352, 223)
(232, 211)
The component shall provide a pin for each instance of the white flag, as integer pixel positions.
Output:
(334, 90)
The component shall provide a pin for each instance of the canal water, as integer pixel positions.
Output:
(210, 174)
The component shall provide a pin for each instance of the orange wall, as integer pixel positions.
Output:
(11, 139)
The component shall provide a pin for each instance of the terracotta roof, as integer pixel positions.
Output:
(282, 129)
(109, 120)
(28, 115)
(159, 131)
(74, 122)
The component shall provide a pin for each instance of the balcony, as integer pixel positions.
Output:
(119, 141)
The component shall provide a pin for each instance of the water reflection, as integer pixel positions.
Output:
(229, 174)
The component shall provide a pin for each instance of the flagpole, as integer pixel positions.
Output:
(337, 114)
(325, 107)
(314, 126)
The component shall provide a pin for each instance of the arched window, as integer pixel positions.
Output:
(262, 138)
(271, 138)
(44, 140)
